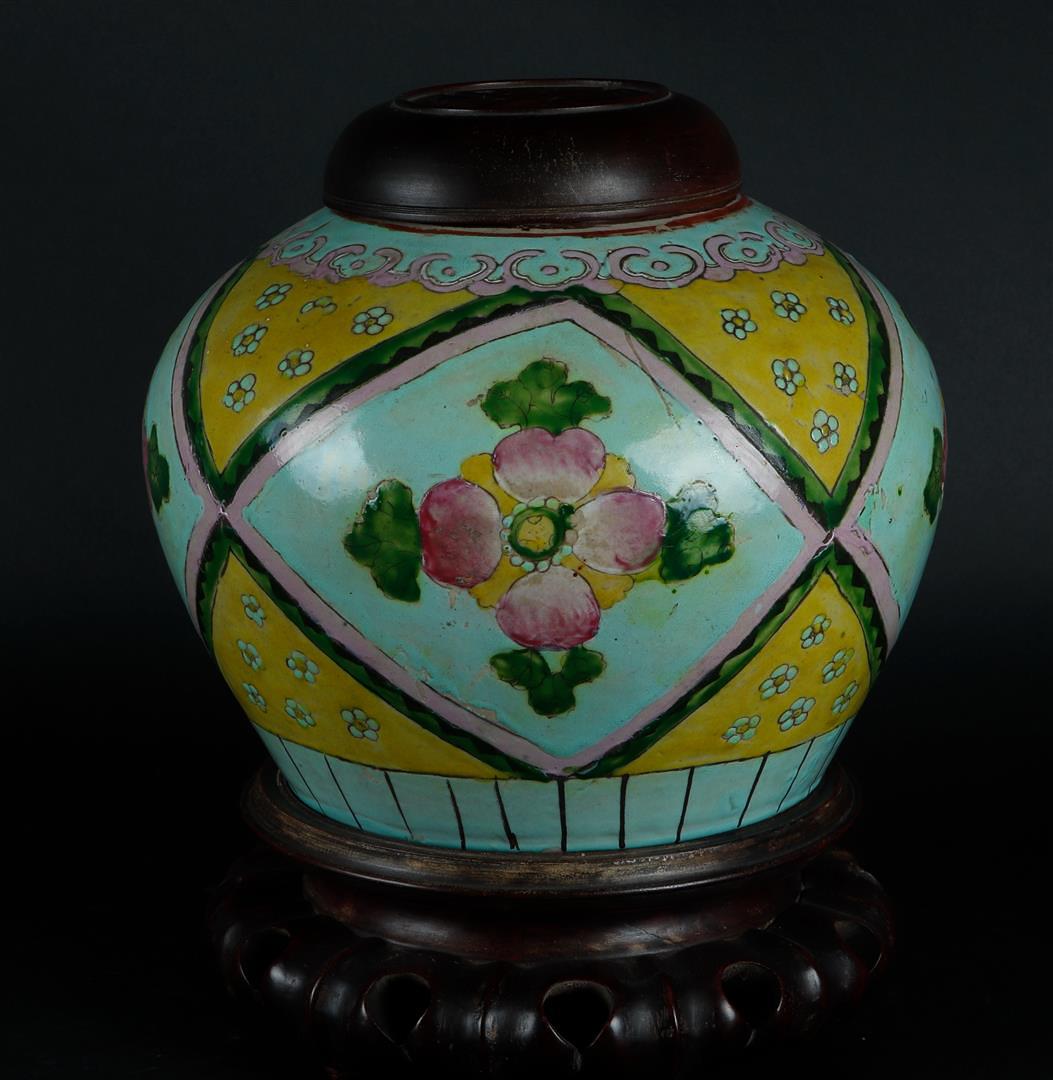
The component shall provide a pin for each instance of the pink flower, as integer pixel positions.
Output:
(559, 524)
(460, 527)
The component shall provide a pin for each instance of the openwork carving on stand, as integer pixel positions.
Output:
(367, 1002)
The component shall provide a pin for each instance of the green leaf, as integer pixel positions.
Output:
(552, 698)
(549, 693)
(386, 538)
(540, 396)
(157, 473)
(524, 669)
(581, 665)
(933, 493)
(696, 535)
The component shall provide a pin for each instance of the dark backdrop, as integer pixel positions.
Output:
(149, 146)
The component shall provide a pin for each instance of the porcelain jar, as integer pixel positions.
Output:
(542, 491)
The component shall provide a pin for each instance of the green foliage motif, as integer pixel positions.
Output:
(550, 693)
(540, 396)
(386, 538)
(933, 493)
(696, 535)
(157, 475)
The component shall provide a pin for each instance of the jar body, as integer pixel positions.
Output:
(535, 542)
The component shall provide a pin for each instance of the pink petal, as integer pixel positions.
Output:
(620, 531)
(550, 610)
(460, 532)
(532, 463)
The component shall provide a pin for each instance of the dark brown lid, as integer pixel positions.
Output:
(533, 152)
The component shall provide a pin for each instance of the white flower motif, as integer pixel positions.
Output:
(371, 321)
(254, 696)
(295, 363)
(778, 682)
(788, 305)
(837, 665)
(324, 304)
(273, 294)
(240, 393)
(248, 339)
(742, 730)
(360, 725)
(788, 375)
(845, 381)
(737, 322)
(297, 712)
(301, 666)
(841, 703)
(815, 631)
(250, 654)
(840, 311)
(824, 431)
(796, 714)
(253, 608)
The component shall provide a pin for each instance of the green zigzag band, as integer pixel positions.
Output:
(225, 542)
(855, 589)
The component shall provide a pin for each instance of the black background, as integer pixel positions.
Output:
(149, 146)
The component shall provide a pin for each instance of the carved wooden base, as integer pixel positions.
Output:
(380, 954)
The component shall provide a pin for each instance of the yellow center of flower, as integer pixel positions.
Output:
(536, 533)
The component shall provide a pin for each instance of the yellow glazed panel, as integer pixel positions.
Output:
(792, 342)
(810, 677)
(289, 687)
(278, 331)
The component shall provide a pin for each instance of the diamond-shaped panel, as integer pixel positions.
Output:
(413, 432)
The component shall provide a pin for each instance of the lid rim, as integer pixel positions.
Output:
(531, 154)
(408, 101)
(596, 213)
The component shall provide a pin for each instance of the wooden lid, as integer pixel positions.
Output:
(533, 153)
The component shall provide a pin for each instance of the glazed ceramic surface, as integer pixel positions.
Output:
(548, 541)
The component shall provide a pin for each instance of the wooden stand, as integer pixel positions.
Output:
(381, 954)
